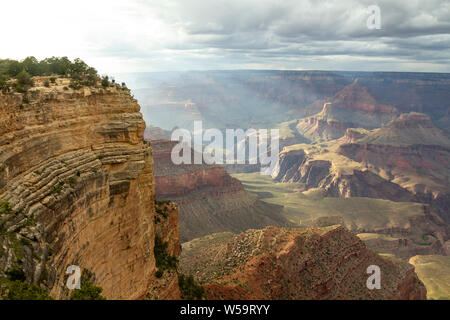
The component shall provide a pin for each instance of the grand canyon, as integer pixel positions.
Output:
(86, 179)
(355, 152)
(224, 159)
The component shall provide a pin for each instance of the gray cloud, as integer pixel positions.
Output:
(274, 34)
(415, 36)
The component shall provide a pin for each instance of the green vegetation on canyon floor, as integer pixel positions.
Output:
(303, 207)
(434, 272)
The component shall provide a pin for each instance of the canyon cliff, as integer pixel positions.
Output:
(405, 161)
(78, 183)
(209, 199)
(410, 152)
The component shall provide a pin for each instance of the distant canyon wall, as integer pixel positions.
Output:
(252, 98)
(209, 199)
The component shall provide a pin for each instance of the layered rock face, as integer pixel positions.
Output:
(352, 107)
(77, 174)
(364, 184)
(404, 161)
(297, 166)
(410, 152)
(209, 199)
(179, 180)
(280, 263)
(166, 228)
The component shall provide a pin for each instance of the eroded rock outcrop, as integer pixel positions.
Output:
(297, 166)
(352, 107)
(155, 133)
(410, 152)
(336, 169)
(80, 181)
(281, 263)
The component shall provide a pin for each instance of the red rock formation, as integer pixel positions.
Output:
(413, 153)
(178, 180)
(352, 107)
(182, 184)
(296, 166)
(276, 263)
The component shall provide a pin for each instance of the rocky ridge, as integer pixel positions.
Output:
(275, 263)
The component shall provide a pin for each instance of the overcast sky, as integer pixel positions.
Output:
(166, 35)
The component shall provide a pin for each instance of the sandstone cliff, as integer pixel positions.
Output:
(277, 263)
(80, 181)
(166, 229)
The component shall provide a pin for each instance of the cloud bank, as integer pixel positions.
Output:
(130, 36)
